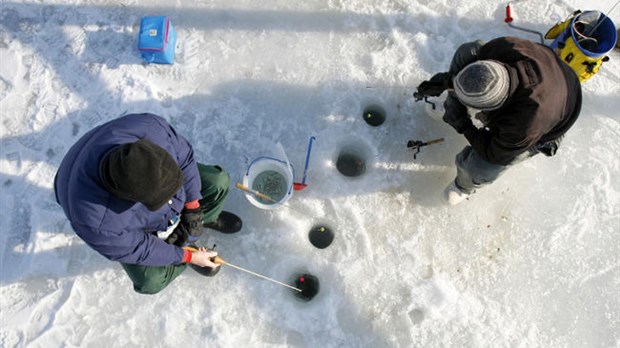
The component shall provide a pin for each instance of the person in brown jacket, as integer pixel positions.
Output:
(525, 98)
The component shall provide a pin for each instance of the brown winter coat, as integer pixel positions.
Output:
(544, 100)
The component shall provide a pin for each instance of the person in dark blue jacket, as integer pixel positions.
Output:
(133, 192)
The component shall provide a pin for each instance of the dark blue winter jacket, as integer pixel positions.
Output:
(119, 229)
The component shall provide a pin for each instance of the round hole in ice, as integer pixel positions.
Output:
(309, 286)
(321, 236)
(374, 115)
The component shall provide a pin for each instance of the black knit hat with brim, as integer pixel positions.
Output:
(142, 172)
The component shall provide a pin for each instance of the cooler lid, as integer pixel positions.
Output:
(153, 33)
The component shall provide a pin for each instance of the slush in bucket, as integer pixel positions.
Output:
(271, 177)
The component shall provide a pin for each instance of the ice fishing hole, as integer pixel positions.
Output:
(353, 158)
(321, 236)
(308, 284)
(374, 115)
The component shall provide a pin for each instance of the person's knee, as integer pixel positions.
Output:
(464, 157)
(150, 286)
(476, 169)
(220, 178)
(147, 291)
(470, 48)
(465, 54)
(151, 280)
(214, 177)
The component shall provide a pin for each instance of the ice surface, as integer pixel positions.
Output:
(532, 261)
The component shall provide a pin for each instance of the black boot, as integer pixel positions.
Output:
(205, 271)
(226, 223)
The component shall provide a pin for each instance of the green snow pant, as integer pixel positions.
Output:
(153, 279)
(215, 183)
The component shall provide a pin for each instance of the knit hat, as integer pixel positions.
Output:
(482, 85)
(142, 172)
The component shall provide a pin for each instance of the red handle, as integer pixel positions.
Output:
(508, 18)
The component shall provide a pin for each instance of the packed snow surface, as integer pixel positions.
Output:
(530, 261)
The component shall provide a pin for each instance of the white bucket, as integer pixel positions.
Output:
(262, 165)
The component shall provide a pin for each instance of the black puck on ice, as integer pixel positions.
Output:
(309, 286)
(321, 236)
(374, 115)
(350, 165)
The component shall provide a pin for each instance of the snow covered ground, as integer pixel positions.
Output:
(531, 261)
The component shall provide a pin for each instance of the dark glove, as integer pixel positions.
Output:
(189, 228)
(456, 114)
(436, 85)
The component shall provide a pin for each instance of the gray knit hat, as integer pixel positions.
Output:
(482, 85)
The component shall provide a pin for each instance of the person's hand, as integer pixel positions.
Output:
(442, 78)
(456, 114)
(189, 229)
(436, 85)
(191, 222)
(204, 258)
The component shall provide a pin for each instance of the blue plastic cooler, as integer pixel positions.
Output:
(157, 40)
